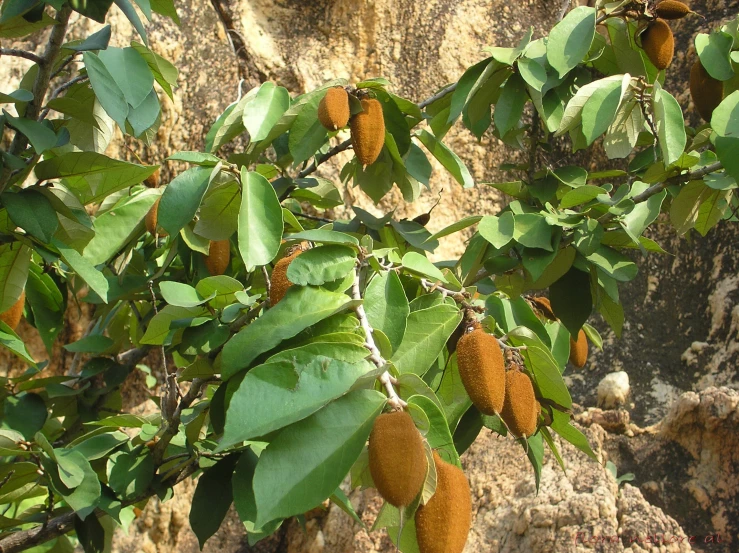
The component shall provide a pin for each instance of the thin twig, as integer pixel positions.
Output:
(57, 91)
(438, 96)
(375, 356)
(314, 218)
(21, 54)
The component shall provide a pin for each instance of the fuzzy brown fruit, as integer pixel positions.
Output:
(152, 181)
(443, 523)
(279, 283)
(671, 9)
(219, 256)
(706, 91)
(368, 131)
(579, 350)
(151, 220)
(397, 460)
(544, 307)
(658, 43)
(519, 410)
(333, 111)
(12, 317)
(482, 369)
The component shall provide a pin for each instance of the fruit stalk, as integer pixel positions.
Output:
(375, 356)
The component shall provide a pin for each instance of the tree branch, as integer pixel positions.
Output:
(375, 356)
(21, 54)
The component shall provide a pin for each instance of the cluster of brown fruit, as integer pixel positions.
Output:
(398, 465)
(12, 317)
(367, 127)
(493, 389)
(219, 252)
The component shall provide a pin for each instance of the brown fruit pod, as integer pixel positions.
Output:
(333, 110)
(658, 43)
(151, 220)
(482, 370)
(219, 257)
(442, 524)
(671, 9)
(12, 317)
(397, 460)
(152, 181)
(706, 92)
(519, 410)
(279, 283)
(579, 350)
(368, 131)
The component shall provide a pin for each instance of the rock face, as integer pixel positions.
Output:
(682, 311)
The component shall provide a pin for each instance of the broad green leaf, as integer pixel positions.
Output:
(260, 220)
(306, 134)
(10, 340)
(322, 264)
(612, 312)
(128, 10)
(83, 498)
(614, 263)
(498, 230)
(145, 116)
(115, 228)
(219, 212)
(509, 108)
(572, 116)
(33, 212)
(580, 195)
(562, 425)
(600, 109)
(725, 118)
(623, 134)
(712, 210)
(455, 227)
(15, 258)
(668, 118)
(300, 308)
(324, 237)
(556, 269)
(387, 306)
(417, 263)
(466, 87)
(25, 413)
(439, 436)
(180, 294)
(447, 158)
(220, 290)
(531, 230)
(305, 463)
(130, 472)
(267, 107)
(47, 305)
(533, 73)
(94, 343)
(182, 197)
(164, 72)
(277, 394)
(96, 41)
(426, 334)
(569, 41)
(86, 270)
(40, 136)
(510, 314)
(539, 360)
(212, 499)
(169, 318)
(644, 214)
(92, 176)
(571, 299)
(714, 52)
(107, 91)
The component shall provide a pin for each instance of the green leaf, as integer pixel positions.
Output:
(182, 197)
(16, 97)
(220, 290)
(561, 425)
(106, 89)
(212, 499)
(612, 312)
(572, 116)
(668, 118)
(426, 334)
(130, 472)
(47, 304)
(260, 220)
(17, 27)
(40, 136)
(96, 41)
(439, 436)
(83, 498)
(725, 120)
(10, 340)
(94, 343)
(308, 460)
(146, 115)
(387, 306)
(600, 109)
(180, 294)
(33, 212)
(15, 259)
(93, 10)
(322, 264)
(324, 237)
(533, 231)
(115, 228)
(571, 299)
(170, 315)
(570, 39)
(614, 263)
(219, 212)
(447, 158)
(509, 108)
(263, 112)
(277, 394)
(86, 270)
(540, 361)
(498, 230)
(455, 227)
(306, 134)
(130, 72)
(300, 308)
(510, 314)
(714, 51)
(130, 13)
(417, 263)
(164, 72)
(92, 176)
(25, 413)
